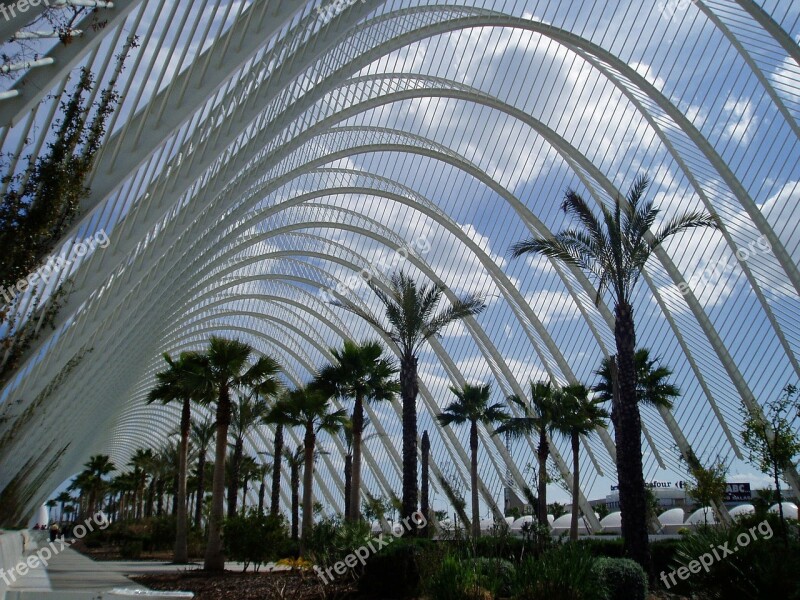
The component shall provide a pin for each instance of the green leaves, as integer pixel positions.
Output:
(615, 247)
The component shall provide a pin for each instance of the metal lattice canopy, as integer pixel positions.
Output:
(261, 157)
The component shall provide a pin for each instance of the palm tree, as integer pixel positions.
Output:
(346, 435)
(362, 373)
(96, 468)
(247, 413)
(276, 418)
(472, 406)
(615, 249)
(538, 416)
(261, 473)
(177, 384)
(295, 461)
(248, 469)
(579, 416)
(142, 462)
(201, 432)
(411, 312)
(652, 385)
(226, 368)
(62, 499)
(310, 409)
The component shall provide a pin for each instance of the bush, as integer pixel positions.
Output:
(397, 570)
(764, 567)
(624, 579)
(255, 538)
(332, 540)
(452, 579)
(565, 573)
(131, 550)
(494, 574)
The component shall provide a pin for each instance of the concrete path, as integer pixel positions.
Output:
(70, 574)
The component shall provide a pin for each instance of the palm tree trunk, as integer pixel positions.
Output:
(628, 433)
(159, 497)
(424, 500)
(245, 488)
(408, 390)
(295, 476)
(348, 486)
(473, 474)
(214, 559)
(358, 430)
(573, 525)
(261, 493)
(151, 497)
(542, 452)
(277, 450)
(233, 486)
(308, 480)
(201, 482)
(181, 530)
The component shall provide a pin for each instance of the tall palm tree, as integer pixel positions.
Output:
(310, 409)
(295, 461)
(261, 473)
(177, 384)
(411, 312)
(539, 416)
(362, 373)
(614, 248)
(248, 469)
(142, 462)
(227, 368)
(579, 415)
(62, 499)
(346, 435)
(276, 418)
(201, 434)
(96, 468)
(652, 381)
(249, 411)
(472, 406)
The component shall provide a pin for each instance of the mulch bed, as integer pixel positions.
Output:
(294, 585)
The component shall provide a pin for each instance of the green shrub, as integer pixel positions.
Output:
(564, 573)
(396, 571)
(452, 579)
(332, 540)
(764, 567)
(624, 579)
(663, 554)
(494, 574)
(255, 538)
(131, 550)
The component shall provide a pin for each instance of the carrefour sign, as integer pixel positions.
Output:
(655, 484)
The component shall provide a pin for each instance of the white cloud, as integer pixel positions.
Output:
(741, 121)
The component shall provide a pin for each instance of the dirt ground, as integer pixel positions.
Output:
(248, 586)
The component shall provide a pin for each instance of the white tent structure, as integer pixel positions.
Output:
(266, 153)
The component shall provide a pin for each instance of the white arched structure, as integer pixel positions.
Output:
(262, 156)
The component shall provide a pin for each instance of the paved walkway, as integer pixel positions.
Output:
(70, 572)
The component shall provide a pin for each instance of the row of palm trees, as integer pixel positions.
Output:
(613, 248)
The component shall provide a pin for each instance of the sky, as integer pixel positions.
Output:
(510, 117)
